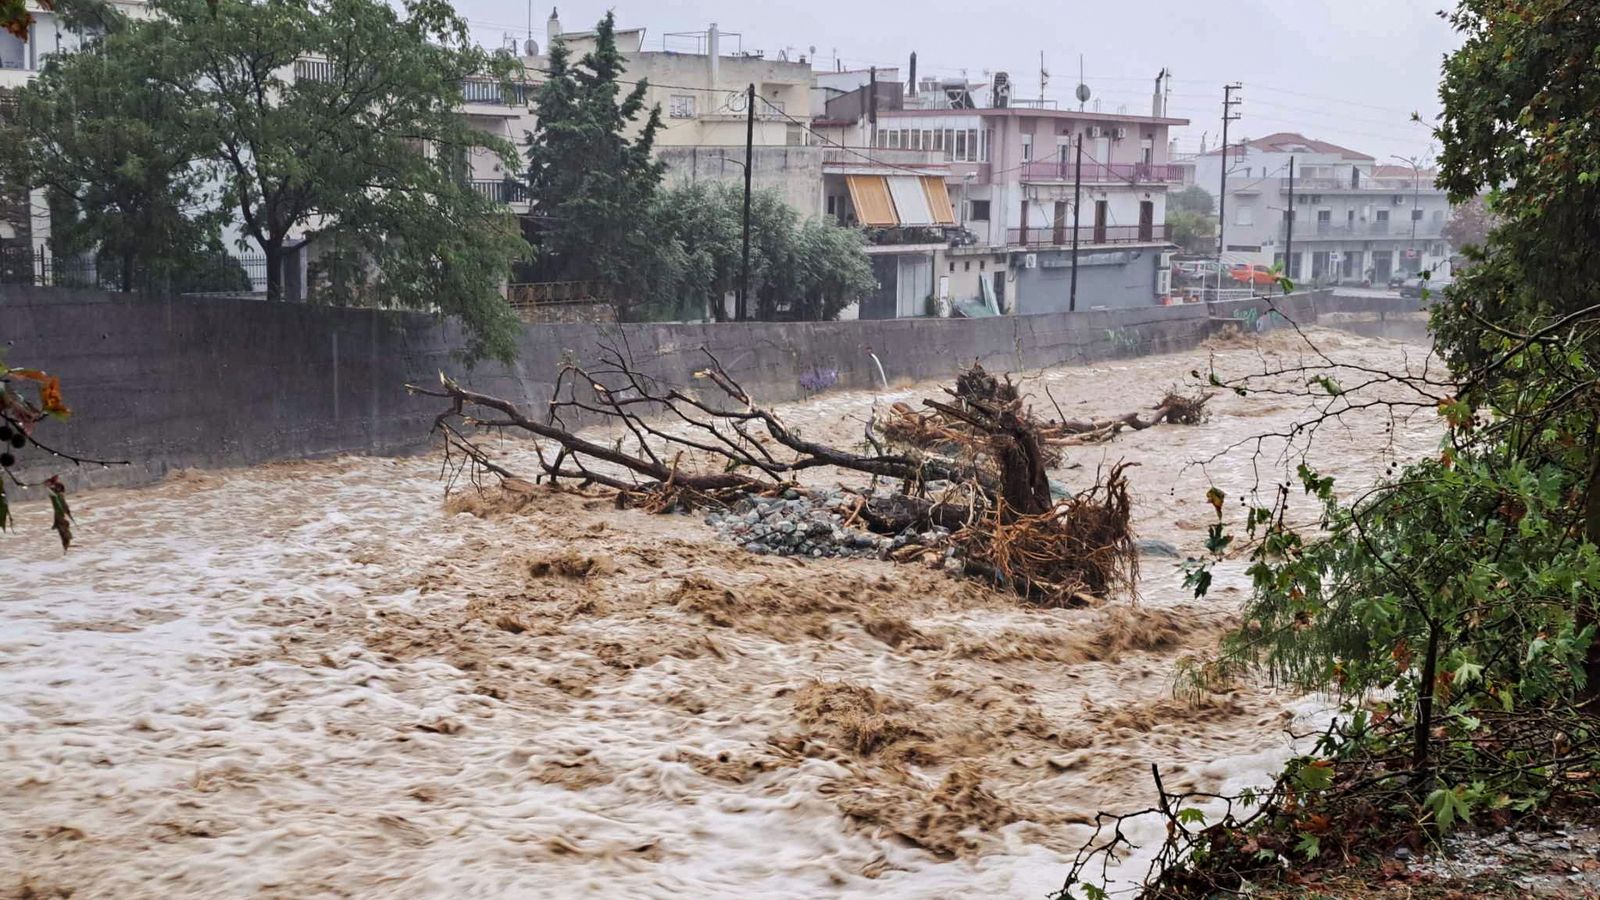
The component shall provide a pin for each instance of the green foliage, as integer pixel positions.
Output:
(591, 183)
(1192, 199)
(1456, 598)
(361, 153)
(115, 153)
(801, 269)
(1195, 232)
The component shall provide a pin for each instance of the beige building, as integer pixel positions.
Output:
(700, 80)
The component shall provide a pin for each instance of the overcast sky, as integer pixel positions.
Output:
(1347, 71)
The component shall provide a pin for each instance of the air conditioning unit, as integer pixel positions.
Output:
(1120, 133)
(1095, 131)
(1030, 260)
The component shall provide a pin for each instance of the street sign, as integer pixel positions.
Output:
(1411, 253)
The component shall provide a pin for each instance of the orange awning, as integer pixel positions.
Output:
(938, 200)
(869, 194)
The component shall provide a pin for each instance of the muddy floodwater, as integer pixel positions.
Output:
(328, 679)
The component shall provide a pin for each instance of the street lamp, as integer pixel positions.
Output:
(1416, 194)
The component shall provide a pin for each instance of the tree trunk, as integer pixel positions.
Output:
(273, 251)
(127, 271)
(1585, 614)
(1424, 730)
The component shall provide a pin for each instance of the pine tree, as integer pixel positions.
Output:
(590, 182)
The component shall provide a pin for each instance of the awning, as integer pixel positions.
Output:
(869, 194)
(910, 200)
(900, 200)
(938, 200)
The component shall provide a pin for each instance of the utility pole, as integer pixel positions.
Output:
(1228, 115)
(1288, 244)
(1077, 205)
(743, 302)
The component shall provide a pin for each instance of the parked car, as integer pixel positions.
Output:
(1258, 275)
(1398, 279)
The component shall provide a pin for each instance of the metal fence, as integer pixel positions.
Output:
(1061, 235)
(210, 274)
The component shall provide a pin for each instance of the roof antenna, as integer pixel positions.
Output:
(1083, 89)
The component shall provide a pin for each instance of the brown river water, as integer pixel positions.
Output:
(326, 679)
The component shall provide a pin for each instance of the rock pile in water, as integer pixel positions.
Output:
(811, 525)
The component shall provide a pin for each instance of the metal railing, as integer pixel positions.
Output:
(1088, 235)
(500, 190)
(1065, 170)
(211, 274)
(473, 90)
(493, 93)
(1394, 228)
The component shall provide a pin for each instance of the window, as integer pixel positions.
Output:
(978, 210)
(982, 265)
(966, 266)
(680, 106)
(961, 145)
(1416, 215)
(952, 265)
(1027, 146)
(794, 136)
(832, 204)
(1244, 215)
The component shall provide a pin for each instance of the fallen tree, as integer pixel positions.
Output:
(678, 449)
(948, 431)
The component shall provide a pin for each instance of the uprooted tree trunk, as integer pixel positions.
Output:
(680, 449)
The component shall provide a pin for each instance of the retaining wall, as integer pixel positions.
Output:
(179, 382)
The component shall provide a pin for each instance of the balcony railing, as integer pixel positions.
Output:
(493, 93)
(473, 90)
(1088, 235)
(1065, 170)
(1395, 228)
(500, 190)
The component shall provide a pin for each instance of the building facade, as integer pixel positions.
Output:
(1355, 221)
(1014, 175)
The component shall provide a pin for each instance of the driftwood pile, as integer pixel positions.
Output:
(679, 450)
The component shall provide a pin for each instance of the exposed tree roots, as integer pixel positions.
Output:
(681, 449)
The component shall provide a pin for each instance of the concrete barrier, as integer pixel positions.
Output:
(177, 382)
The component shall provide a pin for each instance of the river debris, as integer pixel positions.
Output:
(983, 504)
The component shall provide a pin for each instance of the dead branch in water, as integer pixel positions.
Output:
(680, 449)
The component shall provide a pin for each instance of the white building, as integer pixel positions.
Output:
(1354, 219)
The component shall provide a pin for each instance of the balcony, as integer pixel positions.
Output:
(1399, 229)
(502, 190)
(1065, 170)
(1088, 235)
(487, 92)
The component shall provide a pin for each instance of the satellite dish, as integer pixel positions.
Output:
(1083, 93)
(530, 47)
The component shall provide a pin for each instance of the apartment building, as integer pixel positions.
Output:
(1355, 219)
(700, 80)
(1014, 172)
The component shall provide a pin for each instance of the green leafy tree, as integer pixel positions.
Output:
(1193, 231)
(116, 156)
(801, 269)
(1192, 199)
(1467, 585)
(339, 120)
(590, 181)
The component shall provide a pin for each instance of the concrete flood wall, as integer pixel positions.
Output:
(180, 382)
